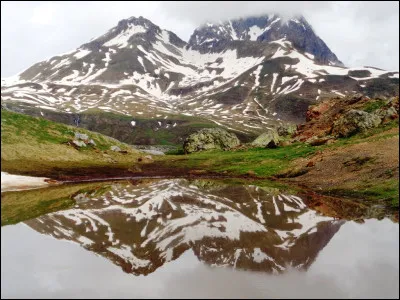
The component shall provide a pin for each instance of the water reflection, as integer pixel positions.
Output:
(142, 225)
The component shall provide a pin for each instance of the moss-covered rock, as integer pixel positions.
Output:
(267, 139)
(209, 139)
(286, 129)
(354, 121)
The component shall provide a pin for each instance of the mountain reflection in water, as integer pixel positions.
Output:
(142, 225)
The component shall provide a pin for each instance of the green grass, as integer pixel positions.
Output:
(33, 144)
(17, 127)
(371, 106)
(383, 191)
(262, 161)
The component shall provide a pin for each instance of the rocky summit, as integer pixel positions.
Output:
(243, 75)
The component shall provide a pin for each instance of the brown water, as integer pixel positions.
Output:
(179, 238)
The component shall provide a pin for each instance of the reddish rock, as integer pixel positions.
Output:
(310, 164)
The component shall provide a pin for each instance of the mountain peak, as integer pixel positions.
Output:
(267, 28)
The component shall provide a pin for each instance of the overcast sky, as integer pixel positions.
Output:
(360, 33)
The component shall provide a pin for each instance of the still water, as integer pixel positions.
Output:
(180, 238)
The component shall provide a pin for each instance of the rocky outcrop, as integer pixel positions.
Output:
(354, 121)
(343, 117)
(269, 139)
(210, 138)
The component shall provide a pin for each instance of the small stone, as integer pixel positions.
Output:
(316, 141)
(115, 148)
(79, 143)
(310, 164)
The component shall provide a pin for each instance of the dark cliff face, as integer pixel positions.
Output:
(266, 28)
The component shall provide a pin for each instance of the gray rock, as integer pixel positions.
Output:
(154, 152)
(268, 139)
(91, 142)
(286, 129)
(115, 148)
(79, 143)
(386, 113)
(81, 136)
(210, 138)
(81, 198)
(354, 121)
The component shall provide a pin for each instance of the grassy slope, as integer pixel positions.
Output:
(144, 129)
(29, 144)
(271, 162)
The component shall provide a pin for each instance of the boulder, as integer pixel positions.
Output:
(268, 139)
(210, 138)
(91, 142)
(286, 129)
(79, 143)
(115, 148)
(354, 121)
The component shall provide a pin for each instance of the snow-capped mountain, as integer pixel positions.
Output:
(244, 74)
(142, 226)
(266, 28)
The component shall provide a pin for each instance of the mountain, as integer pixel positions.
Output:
(244, 75)
(266, 28)
(140, 226)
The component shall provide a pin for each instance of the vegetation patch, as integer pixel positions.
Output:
(385, 192)
(30, 145)
(371, 106)
(263, 162)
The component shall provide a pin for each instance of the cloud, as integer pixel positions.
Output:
(359, 33)
(204, 11)
(43, 13)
